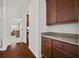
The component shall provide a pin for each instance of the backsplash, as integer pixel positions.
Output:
(64, 28)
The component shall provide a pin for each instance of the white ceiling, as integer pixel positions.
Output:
(20, 5)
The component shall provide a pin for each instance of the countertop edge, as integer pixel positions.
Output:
(61, 39)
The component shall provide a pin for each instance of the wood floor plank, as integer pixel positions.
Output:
(19, 50)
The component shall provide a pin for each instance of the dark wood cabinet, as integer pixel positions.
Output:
(67, 11)
(59, 53)
(51, 11)
(52, 48)
(61, 11)
(47, 50)
(73, 49)
(64, 50)
(47, 47)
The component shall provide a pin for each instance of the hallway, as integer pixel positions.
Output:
(19, 50)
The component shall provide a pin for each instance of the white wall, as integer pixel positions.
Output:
(44, 27)
(0, 9)
(0, 12)
(63, 28)
(0, 29)
(0, 23)
(4, 26)
(0, 18)
(34, 28)
(0, 34)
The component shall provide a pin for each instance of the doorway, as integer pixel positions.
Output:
(27, 20)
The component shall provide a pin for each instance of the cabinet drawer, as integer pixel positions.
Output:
(69, 48)
(46, 40)
(58, 44)
(73, 49)
(59, 53)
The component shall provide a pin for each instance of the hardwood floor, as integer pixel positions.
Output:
(19, 50)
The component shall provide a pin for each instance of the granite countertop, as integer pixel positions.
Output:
(68, 38)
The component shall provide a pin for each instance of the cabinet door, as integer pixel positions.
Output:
(73, 49)
(51, 12)
(67, 11)
(59, 53)
(47, 51)
(62, 49)
(47, 47)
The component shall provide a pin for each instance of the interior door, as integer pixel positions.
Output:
(27, 29)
